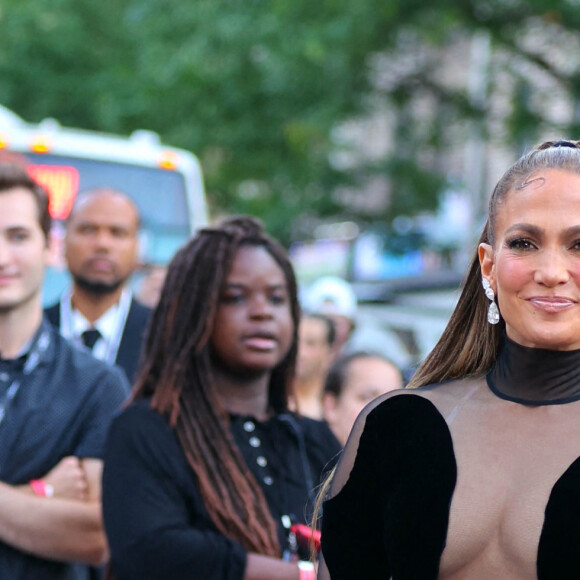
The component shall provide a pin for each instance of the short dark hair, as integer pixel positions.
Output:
(85, 193)
(329, 324)
(13, 176)
(336, 376)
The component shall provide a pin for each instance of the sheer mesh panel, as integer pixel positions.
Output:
(509, 457)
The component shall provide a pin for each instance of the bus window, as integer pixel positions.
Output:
(158, 193)
(165, 183)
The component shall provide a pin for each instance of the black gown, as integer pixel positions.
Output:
(473, 478)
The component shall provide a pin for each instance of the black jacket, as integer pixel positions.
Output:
(129, 352)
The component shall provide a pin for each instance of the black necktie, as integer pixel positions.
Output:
(12, 365)
(90, 336)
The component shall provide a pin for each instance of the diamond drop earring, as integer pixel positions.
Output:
(493, 312)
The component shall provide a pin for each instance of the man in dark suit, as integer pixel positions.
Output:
(99, 311)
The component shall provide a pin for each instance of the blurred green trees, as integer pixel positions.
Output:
(257, 88)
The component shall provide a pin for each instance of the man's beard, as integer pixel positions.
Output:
(97, 287)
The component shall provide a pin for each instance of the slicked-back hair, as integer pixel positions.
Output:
(177, 375)
(470, 345)
(13, 176)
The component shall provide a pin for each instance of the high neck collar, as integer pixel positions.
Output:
(535, 376)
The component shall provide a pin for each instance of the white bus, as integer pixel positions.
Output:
(166, 183)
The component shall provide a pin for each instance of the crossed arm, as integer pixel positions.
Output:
(65, 527)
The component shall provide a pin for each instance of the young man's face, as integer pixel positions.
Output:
(23, 250)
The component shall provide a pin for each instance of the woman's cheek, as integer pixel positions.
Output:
(513, 273)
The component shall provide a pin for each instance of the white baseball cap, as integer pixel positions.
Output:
(331, 295)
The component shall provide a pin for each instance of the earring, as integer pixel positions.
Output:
(493, 312)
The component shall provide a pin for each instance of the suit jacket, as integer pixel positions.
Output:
(128, 355)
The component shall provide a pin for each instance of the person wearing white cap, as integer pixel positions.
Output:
(335, 298)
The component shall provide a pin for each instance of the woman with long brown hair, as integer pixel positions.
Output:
(474, 474)
(207, 471)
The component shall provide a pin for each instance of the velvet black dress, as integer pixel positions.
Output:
(474, 478)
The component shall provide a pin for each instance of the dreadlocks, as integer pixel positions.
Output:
(177, 375)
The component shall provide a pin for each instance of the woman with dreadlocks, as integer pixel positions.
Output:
(207, 472)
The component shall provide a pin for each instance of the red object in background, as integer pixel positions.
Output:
(305, 534)
(62, 184)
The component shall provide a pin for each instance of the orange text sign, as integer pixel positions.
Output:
(62, 184)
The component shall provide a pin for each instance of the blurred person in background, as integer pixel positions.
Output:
(56, 403)
(99, 311)
(316, 337)
(151, 284)
(334, 298)
(352, 381)
(207, 470)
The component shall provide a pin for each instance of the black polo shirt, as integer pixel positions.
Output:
(63, 407)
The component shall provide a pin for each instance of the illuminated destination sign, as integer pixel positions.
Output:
(62, 184)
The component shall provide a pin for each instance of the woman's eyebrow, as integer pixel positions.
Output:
(537, 231)
(572, 231)
(529, 228)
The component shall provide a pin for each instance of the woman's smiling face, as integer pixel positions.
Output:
(534, 264)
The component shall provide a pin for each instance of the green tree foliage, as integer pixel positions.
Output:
(256, 87)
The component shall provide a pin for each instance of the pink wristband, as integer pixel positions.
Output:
(40, 488)
(306, 570)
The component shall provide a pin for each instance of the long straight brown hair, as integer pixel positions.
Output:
(469, 345)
